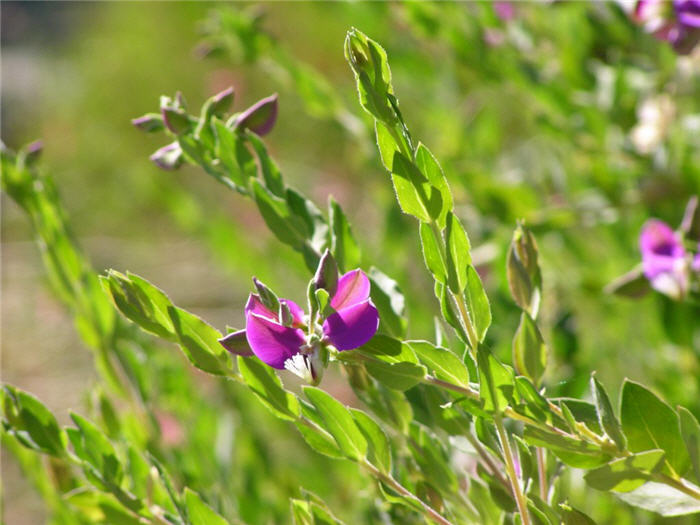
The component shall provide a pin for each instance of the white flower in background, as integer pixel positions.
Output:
(655, 115)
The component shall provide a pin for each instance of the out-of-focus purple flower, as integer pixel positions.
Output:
(677, 21)
(284, 339)
(663, 259)
(504, 10)
(688, 12)
(355, 319)
(260, 117)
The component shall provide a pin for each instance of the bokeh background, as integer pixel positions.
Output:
(567, 116)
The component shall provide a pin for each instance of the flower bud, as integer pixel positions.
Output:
(168, 157)
(31, 152)
(175, 119)
(149, 122)
(260, 117)
(523, 272)
(326, 277)
(267, 296)
(222, 102)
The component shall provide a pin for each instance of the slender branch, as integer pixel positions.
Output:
(395, 485)
(486, 457)
(542, 473)
(510, 469)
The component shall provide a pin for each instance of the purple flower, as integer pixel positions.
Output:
(355, 319)
(677, 22)
(271, 341)
(289, 339)
(663, 259)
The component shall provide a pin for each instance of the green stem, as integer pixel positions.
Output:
(510, 469)
(542, 472)
(395, 485)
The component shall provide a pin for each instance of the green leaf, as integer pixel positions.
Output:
(389, 349)
(429, 197)
(477, 303)
(523, 272)
(662, 499)
(649, 423)
(200, 513)
(270, 171)
(386, 144)
(582, 412)
(141, 302)
(97, 450)
(448, 312)
(431, 169)
(31, 422)
(199, 342)
(263, 381)
(379, 451)
(276, 214)
(343, 244)
(390, 302)
(606, 416)
(339, 422)
(496, 381)
(399, 376)
(227, 145)
(301, 512)
(458, 253)
(690, 431)
(573, 452)
(446, 365)
(572, 516)
(529, 350)
(319, 440)
(626, 474)
(432, 253)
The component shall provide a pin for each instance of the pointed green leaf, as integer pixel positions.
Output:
(477, 303)
(399, 376)
(31, 422)
(626, 474)
(390, 302)
(458, 253)
(343, 244)
(379, 451)
(690, 431)
(495, 380)
(446, 365)
(199, 512)
(649, 423)
(263, 381)
(339, 423)
(432, 253)
(529, 350)
(199, 341)
(573, 452)
(431, 169)
(606, 416)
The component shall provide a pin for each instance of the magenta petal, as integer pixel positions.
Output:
(271, 342)
(353, 326)
(353, 288)
(296, 311)
(255, 306)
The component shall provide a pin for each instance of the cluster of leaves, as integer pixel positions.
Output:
(421, 394)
